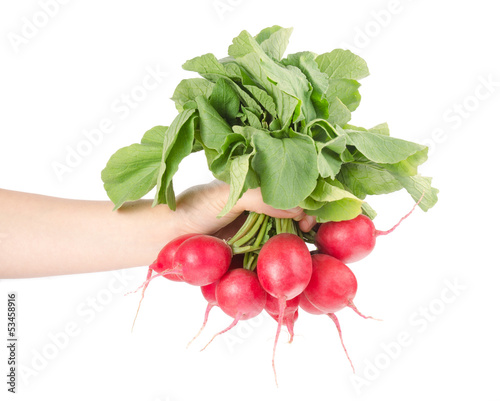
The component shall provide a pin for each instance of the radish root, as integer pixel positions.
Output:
(235, 322)
(148, 276)
(377, 232)
(336, 321)
(207, 311)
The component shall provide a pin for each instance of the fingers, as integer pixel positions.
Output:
(307, 223)
(252, 201)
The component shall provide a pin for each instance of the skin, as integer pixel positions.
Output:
(47, 236)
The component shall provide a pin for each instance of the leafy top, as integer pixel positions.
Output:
(281, 124)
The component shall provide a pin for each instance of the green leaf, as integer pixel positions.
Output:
(382, 148)
(415, 186)
(277, 80)
(382, 129)
(346, 90)
(209, 67)
(286, 167)
(275, 42)
(155, 136)
(213, 128)
(338, 112)
(409, 166)
(189, 89)
(252, 119)
(368, 210)
(132, 171)
(340, 204)
(330, 191)
(367, 179)
(344, 209)
(238, 174)
(225, 100)
(267, 32)
(342, 64)
(343, 68)
(310, 204)
(329, 159)
(330, 144)
(263, 98)
(305, 61)
(177, 145)
(235, 143)
(212, 69)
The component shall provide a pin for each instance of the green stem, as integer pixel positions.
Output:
(262, 232)
(298, 230)
(247, 225)
(309, 237)
(250, 261)
(245, 249)
(279, 226)
(253, 264)
(245, 260)
(251, 232)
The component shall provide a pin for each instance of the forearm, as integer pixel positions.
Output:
(42, 236)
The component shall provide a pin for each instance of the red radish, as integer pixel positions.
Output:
(351, 240)
(239, 295)
(284, 269)
(162, 263)
(208, 292)
(166, 256)
(348, 240)
(332, 286)
(310, 308)
(202, 259)
(284, 266)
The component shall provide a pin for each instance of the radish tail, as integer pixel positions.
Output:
(289, 325)
(353, 307)
(282, 305)
(150, 272)
(336, 321)
(377, 232)
(148, 280)
(235, 321)
(207, 311)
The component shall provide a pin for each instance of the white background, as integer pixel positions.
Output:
(428, 60)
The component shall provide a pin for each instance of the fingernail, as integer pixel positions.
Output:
(294, 210)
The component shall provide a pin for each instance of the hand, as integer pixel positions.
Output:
(198, 207)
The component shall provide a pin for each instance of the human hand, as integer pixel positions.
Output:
(198, 207)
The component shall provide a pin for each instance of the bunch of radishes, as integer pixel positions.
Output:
(286, 274)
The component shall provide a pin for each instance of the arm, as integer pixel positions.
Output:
(44, 236)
